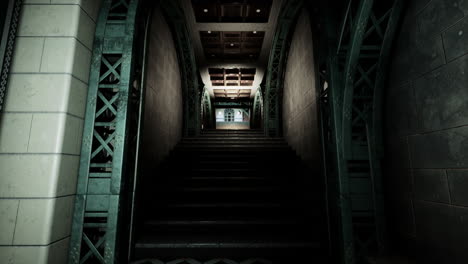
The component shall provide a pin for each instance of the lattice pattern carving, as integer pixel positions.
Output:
(351, 79)
(111, 97)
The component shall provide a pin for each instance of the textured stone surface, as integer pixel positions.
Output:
(444, 149)
(14, 133)
(300, 125)
(440, 14)
(458, 180)
(415, 53)
(402, 115)
(8, 213)
(46, 93)
(441, 96)
(426, 107)
(163, 106)
(55, 42)
(431, 185)
(433, 231)
(456, 40)
(27, 54)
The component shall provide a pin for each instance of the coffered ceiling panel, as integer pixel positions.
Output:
(241, 11)
(232, 93)
(232, 44)
(232, 77)
(232, 34)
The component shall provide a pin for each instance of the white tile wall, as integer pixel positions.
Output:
(37, 1)
(55, 133)
(38, 92)
(86, 29)
(34, 222)
(14, 132)
(51, 216)
(8, 212)
(77, 97)
(32, 176)
(55, 253)
(46, 93)
(28, 175)
(24, 255)
(67, 175)
(47, 132)
(43, 116)
(49, 20)
(66, 55)
(27, 54)
(58, 55)
(91, 7)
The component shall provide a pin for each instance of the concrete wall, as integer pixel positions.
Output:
(427, 132)
(163, 121)
(300, 125)
(41, 129)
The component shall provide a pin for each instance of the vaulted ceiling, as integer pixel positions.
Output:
(232, 35)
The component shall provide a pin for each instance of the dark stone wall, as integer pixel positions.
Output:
(426, 126)
(300, 123)
(163, 106)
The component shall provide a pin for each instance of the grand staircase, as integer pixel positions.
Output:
(228, 197)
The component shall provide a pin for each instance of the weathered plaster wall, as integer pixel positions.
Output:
(300, 125)
(427, 133)
(163, 107)
(41, 129)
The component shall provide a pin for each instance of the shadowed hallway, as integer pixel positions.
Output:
(233, 131)
(223, 194)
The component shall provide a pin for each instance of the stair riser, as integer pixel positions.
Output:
(247, 187)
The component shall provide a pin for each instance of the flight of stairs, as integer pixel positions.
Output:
(231, 196)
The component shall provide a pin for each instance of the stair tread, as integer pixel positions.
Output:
(253, 244)
(223, 222)
(227, 199)
(230, 240)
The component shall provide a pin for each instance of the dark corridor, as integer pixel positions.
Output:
(232, 194)
(344, 133)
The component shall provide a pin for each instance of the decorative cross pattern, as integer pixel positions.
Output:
(95, 248)
(119, 9)
(102, 174)
(364, 74)
(113, 69)
(348, 119)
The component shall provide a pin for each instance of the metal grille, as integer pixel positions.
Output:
(97, 220)
(103, 206)
(276, 65)
(355, 72)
